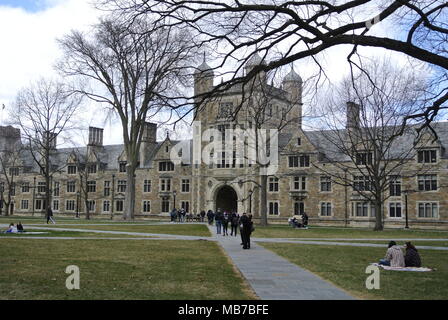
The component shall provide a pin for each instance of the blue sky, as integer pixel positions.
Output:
(28, 5)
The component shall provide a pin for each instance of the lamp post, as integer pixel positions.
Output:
(77, 204)
(250, 201)
(406, 192)
(113, 198)
(174, 196)
(34, 195)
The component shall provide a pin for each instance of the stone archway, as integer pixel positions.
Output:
(226, 199)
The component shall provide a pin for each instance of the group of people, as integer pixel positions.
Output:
(224, 219)
(395, 257)
(182, 215)
(299, 221)
(15, 228)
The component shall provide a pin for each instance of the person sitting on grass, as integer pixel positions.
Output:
(11, 229)
(412, 258)
(394, 256)
(20, 227)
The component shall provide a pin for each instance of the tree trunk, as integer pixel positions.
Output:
(378, 216)
(87, 209)
(263, 199)
(130, 195)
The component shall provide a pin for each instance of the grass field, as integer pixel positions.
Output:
(345, 267)
(118, 270)
(283, 231)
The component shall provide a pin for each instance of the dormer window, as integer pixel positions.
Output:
(167, 149)
(122, 167)
(364, 158)
(166, 166)
(427, 156)
(299, 141)
(91, 168)
(14, 171)
(71, 169)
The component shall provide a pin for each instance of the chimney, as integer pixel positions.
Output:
(95, 137)
(52, 139)
(353, 110)
(149, 140)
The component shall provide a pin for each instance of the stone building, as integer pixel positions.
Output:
(231, 182)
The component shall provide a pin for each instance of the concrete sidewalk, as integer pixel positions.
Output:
(275, 278)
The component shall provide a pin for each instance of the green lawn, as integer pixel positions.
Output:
(345, 267)
(283, 231)
(417, 243)
(56, 233)
(118, 270)
(176, 229)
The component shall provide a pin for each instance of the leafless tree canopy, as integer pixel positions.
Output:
(134, 70)
(291, 30)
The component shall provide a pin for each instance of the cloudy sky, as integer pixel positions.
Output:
(28, 48)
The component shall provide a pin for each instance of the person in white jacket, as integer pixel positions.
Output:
(394, 256)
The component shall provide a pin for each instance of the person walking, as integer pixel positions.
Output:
(210, 217)
(225, 224)
(50, 216)
(218, 221)
(246, 230)
(234, 221)
(202, 215)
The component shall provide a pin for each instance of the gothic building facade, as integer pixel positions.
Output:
(227, 180)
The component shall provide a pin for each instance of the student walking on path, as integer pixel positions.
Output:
(234, 221)
(218, 220)
(50, 216)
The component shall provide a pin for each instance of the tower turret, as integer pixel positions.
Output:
(292, 84)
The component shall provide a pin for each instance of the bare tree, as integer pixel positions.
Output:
(371, 155)
(288, 31)
(132, 69)
(45, 112)
(10, 166)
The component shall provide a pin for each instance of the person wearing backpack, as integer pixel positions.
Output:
(218, 220)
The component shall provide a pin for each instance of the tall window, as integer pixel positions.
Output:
(25, 187)
(299, 161)
(299, 183)
(165, 206)
(364, 158)
(185, 205)
(427, 182)
(91, 186)
(395, 209)
(106, 206)
(71, 186)
(395, 186)
(146, 208)
(41, 187)
(91, 168)
(273, 208)
(165, 184)
(106, 188)
(166, 166)
(427, 156)
(91, 205)
(121, 186)
(299, 208)
(362, 183)
(325, 183)
(24, 205)
(70, 205)
(119, 204)
(56, 189)
(325, 209)
(361, 209)
(185, 185)
(273, 184)
(428, 210)
(56, 205)
(147, 186)
(71, 169)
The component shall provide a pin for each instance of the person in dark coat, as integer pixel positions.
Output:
(412, 258)
(234, 221)
(225, 223)
(218, 221)
(210, 216)
(246, 231)
(304, 219)
(202, 215)
(50, 215)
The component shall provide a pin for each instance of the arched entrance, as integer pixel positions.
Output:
(226, 199)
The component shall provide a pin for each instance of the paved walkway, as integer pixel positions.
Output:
(275, 278)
